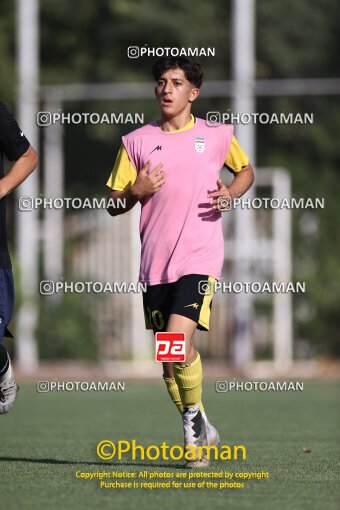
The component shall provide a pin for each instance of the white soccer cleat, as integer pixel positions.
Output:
(195, 435)
(213, 436)
(8, 391)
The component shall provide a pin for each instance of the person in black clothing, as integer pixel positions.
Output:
(16, 147)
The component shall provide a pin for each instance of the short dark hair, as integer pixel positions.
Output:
(191, 67)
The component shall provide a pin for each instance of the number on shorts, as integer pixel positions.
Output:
(155, 318)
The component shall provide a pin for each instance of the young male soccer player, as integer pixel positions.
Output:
(16, 147)
(172, 168)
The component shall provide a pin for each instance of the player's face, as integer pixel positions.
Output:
(175, 93)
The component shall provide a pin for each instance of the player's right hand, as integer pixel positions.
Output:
(147, 182)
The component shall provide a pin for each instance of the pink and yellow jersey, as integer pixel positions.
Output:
(180, 232)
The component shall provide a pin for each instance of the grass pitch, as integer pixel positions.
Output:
(47, 437)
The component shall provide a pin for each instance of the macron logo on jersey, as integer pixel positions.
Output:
(158, 148)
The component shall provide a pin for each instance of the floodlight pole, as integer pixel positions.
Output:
(27, 231)
(243, 71)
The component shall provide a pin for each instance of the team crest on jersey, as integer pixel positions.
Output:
(199, 144)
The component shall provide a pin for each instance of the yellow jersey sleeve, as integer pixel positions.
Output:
(236, 157)
(124, 173)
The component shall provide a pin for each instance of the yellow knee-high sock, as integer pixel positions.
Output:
(172, 388)
(189, 382)
(174, 394)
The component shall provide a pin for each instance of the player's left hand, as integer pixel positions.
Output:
(223, 191)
